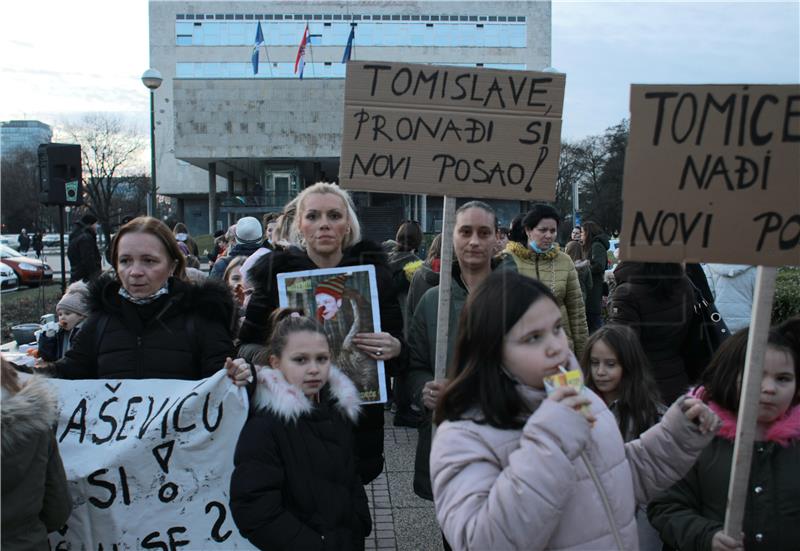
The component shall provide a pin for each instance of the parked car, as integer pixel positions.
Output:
(29, 271)
(53, 240)
(10, 240)
(8, 279)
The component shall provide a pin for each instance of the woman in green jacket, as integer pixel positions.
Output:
(690, 515)
(542, 259)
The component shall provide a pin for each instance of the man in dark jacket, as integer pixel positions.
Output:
(24, 241)
(83, 254)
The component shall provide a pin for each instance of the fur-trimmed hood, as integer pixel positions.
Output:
(783, 431)
(273, 393)
(209, 299)
(32, 410)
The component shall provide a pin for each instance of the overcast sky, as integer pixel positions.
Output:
(60, 58)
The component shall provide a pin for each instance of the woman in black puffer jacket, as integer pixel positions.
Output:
(147, 321)
(332, 238)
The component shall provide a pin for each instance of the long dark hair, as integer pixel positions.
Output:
(592, 230)
(639, 400)
(721, 380)
(516, 231)
(479, 380)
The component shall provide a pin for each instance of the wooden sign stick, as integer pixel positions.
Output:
(738, 486)
(445, 281)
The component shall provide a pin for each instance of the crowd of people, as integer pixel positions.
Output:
(639, 458)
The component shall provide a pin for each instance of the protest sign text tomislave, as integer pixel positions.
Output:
(456, 131)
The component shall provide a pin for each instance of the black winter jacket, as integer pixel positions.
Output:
(83, 254)
(598, 260)
(689, 514)
(185, 334)
(294, 485)
(255, 329)
(662, 325)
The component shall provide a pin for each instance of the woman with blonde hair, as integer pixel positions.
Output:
(330, 236)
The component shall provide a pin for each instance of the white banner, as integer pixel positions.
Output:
(149, 463)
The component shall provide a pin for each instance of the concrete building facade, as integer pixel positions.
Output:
(230, 142)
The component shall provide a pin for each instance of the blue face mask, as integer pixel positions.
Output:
(532, 244)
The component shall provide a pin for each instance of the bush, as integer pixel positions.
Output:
(786, 303)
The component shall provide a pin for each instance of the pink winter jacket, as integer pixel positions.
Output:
(530, 489)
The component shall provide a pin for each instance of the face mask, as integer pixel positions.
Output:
(532, 244)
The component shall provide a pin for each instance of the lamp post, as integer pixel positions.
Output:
(152, 80)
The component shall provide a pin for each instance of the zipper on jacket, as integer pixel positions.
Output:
(604, 499)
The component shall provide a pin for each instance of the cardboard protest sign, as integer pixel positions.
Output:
(345, 302)
(455, 131)
(149, 463)
(712, 173)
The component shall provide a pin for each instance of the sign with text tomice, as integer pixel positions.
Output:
(457, 131)
(149, 463)
(712, 173)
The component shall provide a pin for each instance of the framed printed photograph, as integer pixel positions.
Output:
(345, 302)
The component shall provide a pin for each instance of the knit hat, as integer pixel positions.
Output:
(248, 230)
(88, 219)
(76, 299)
(333, 286)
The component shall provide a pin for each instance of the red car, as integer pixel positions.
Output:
(30, 271)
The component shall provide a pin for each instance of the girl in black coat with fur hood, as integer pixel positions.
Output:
(147, 321)
(294, 485)
(331, 236)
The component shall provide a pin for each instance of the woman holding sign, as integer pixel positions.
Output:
(331, 237)
(542, 259)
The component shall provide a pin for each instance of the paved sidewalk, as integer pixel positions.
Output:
(400, 520)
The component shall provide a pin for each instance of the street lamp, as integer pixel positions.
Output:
(152, 80)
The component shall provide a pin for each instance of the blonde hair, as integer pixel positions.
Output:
(322, 188)
(285, 232)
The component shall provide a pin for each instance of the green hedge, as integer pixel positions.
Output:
(787, 295)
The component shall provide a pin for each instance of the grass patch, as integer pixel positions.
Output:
(27, 305)
(204, 242)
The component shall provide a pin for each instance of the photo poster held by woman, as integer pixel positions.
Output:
(345, 301)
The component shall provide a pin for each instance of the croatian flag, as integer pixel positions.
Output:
(301, 53)
(256, 47)
(349, 48)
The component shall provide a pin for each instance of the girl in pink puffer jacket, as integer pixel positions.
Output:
(512, 468)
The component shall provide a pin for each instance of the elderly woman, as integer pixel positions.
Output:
(542, 259)
(331, 236)
(147, 321)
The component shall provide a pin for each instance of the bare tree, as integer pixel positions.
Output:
(21, 208)
(108, 153)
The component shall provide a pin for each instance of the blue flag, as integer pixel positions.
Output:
(349, 47)
(258, 44)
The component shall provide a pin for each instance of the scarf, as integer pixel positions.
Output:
(144, 300)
